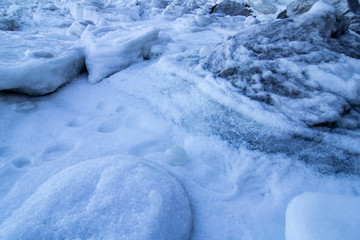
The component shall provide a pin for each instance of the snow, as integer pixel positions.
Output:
(119, 198)
(195, 125)
(323, 216)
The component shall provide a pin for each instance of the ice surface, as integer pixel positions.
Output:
(119, 198)
(323, 216)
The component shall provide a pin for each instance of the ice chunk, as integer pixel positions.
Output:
(323, 217)
(111, 50)
(119, 198)
(263, 6)
(36, 64)
(176, 156)
(78, 27)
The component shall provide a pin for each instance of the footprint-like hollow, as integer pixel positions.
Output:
(114, 121)
(56, 151)
(77, 122)
(110, 125)
(112, 198)
(21, 162)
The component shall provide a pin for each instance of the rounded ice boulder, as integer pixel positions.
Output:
(323, 217)
(121, 198)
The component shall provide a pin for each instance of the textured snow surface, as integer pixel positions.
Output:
(196, 125)
(117, 198)
(323, 216)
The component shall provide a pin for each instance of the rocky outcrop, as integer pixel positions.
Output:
(231, 8)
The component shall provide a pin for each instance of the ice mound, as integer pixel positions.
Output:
(119, 198)
(37, 64)
(323, 217)
(279, 64)
(111, 49)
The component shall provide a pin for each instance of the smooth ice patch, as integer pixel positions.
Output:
(323, 217)
(118, 198)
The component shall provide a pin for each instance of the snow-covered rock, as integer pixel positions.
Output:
(323, 217)
(299, 7)
(111, 49)
(9, 24)
(277, 64)
(231, 8)
(37, 64)
(117, 198)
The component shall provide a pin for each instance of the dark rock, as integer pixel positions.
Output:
(231, 8)
(9, 24)
(282, 15)
(353, 5)
(354, 22)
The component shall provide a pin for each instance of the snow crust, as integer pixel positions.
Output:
(323, 216)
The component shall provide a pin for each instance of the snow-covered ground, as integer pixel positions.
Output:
(183, 125)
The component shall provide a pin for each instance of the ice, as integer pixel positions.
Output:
(176, 155)
(36, 64)
(111, 51)
(263, 6)
(323, 216)
(78, 27)
(117, 198)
